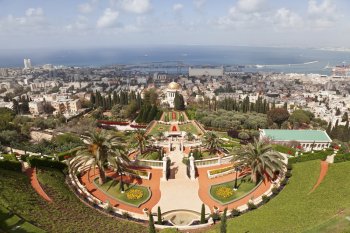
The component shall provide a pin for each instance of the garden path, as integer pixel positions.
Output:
(31, 173)
(179, 192)
(323, 172)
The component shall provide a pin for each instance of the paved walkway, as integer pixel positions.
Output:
(31, 173)
(153, 184)
(205, 183)
(323, 172)
(179, 192)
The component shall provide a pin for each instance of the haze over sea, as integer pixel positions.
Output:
(299, 60)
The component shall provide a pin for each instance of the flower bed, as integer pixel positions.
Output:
(138, 126)
(113, 122)
(220, 172)
(134, 194)
(138, 173)
(224, 192)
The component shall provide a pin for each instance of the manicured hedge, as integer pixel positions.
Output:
(283, 149)
(46, 162)
(10, 165)
(67, 154)
(341, 158)
(307, 157)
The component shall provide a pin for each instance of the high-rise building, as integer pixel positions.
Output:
(27, 63)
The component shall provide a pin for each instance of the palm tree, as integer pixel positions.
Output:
(101, 148)
(263, 161)
(120, 163)
(141, 139)
(212, 142)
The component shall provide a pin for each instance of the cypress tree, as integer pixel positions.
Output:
(203, 214)
(223, 226)
(159, 215)
(329, 128)
(151, 227)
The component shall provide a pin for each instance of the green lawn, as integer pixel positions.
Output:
(244, 185)
(189, 127)
(159, 128)
(295, 210)
(112, 188)
(65, 214)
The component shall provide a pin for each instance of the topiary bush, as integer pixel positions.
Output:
(46, 162)
(11, 165)
(251, 206)
(265, 199)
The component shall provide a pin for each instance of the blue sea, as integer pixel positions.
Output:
(298, 60)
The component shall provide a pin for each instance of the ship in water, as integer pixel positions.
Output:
(341, 71)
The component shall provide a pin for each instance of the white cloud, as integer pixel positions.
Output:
(199, 3)
(322, 15)
(33, 19)
(136, 6)
(80, 24)
(34, 12)
(287, 19)
(325, 7)
(85, 8)
(249, 6)
(178, 7)
(108, 19)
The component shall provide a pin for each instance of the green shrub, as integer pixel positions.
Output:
(10, 165)
(288, 174)
(341, 158)
(284, 149)
(322, 155)
(64, 155)
(284, 182)
(289, 166)
(235, 212)
(251, 206)
(46, 162)
(275, 190)
(265, 199)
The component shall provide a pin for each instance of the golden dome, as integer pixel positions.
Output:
(174, 86)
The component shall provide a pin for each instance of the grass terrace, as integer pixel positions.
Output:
(225, 194)
(134, 195)
(65, 214)
(159, 127)
(295, 209)
(189, 127)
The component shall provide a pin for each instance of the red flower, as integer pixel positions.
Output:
(66, 157)
(289, 152)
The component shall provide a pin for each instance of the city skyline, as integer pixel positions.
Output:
(97, 23)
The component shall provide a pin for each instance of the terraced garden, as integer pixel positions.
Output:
(65, 214)
(297, 210)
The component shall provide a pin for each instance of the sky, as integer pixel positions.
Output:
(28, 24)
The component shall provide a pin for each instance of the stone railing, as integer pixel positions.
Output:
(213, 161)
(148, 163)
